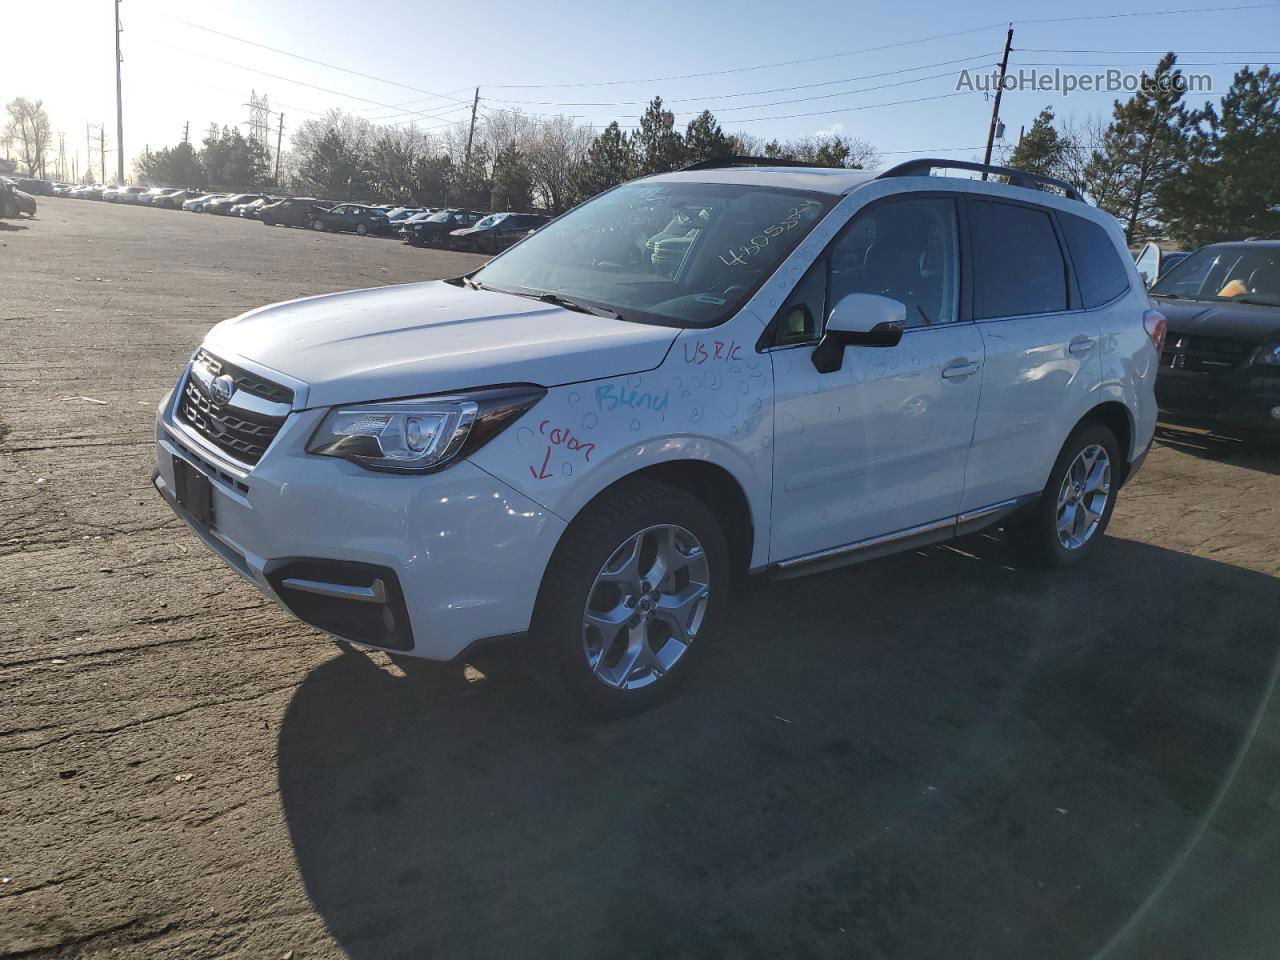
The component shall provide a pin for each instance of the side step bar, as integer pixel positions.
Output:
(927, 534)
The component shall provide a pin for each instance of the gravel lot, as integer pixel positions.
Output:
(939, 754)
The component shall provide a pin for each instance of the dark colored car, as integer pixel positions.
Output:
(352, 218)
(434, 230)
(292, 212)
(1153, 263)
(14, 201)
(222, 206)
(1221, 357)
(496, 232)
(32, 185)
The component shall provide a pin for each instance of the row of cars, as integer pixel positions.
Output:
(451, 228)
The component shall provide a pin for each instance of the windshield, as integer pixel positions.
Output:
(1241, 273)
(491, 220)
(441, 217)
(682, 253)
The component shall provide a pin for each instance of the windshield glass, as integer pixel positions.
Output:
(490, 220)
(440, 217)
(1243, 272)
(682, 253)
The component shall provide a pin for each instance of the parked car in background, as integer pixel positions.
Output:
(130, 194)
(149, 196)
(197, 204)
(434, 230)
(174, 199)
(1153, 262)
(352, 218)
(1221, 357)
(251, 210)
(952, 355)
(14, 201)
(399, 215)
(222, 205)
(291, 212)
(63, 189)
(35, 186)
(496, 232)
(91, 191)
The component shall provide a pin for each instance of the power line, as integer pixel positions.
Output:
(865, 106)
(1152, 13)
(759, 66)
(298, 56)
(750, 93)
(1154, 53)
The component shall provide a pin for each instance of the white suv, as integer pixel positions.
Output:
(733, 369)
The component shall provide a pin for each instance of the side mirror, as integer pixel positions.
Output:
(859, 320)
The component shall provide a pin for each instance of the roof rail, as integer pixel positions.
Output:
(743, 162)
(1018, 178)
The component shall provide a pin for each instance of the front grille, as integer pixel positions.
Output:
(244, 435)
(1204, 354)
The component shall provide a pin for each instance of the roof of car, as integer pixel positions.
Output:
(833, 180)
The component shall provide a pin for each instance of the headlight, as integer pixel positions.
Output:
(1269, 355)
(421, 434)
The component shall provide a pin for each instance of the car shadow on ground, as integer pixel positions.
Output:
(12, 227)
(938, 754)
(1239, 449)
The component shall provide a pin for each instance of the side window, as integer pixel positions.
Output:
(1020, 269)
(339, 210)
(906, 249)
(799, 320)
(1099, 270)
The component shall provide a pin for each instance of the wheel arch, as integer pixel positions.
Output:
(713, 485)
(1117, 418)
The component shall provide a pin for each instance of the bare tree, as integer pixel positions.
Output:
(30, 128)
(554, 156)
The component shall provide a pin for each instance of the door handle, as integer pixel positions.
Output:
(960, 370)
(1080, 346)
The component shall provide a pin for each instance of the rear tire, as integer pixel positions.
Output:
(1064, 526)
(603, 632)
(362, 230)
(317, 225)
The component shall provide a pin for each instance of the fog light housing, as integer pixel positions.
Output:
(1275, 413)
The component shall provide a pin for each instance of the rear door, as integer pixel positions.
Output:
(1043, 370)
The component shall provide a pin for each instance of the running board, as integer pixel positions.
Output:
(927, 534)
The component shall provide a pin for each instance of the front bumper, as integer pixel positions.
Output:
(427, 565)
(1244, 397)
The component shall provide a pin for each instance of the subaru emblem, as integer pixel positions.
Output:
(221, 389)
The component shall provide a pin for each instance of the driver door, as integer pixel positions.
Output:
(878, 446)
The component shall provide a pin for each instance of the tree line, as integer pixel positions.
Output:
(1167, 169)
(1164, 167)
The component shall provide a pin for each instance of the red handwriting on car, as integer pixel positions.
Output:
(559, 437)
(696, 353)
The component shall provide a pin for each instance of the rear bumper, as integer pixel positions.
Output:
(1243, 398)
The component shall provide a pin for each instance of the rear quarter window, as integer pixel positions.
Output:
(1099, 270)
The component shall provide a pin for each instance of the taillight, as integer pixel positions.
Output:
(1154, 323)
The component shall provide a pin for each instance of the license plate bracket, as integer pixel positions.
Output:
(194, 492)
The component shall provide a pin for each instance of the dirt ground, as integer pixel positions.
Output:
(936, 755)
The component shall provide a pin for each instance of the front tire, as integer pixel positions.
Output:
(317, 225)
(362, 230)
(1066, 523)
(633, 594)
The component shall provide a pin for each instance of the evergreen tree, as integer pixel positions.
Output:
(1143, 146)
(611, 160)
(233, 162)
(1041, 150)
(660, 147)
(1230, 188)
(704, 140)
(511, 181)
(176, 166)
(472, 186)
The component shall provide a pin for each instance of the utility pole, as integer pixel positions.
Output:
(88, 152)
(102, 152)
(279, 141)
(119, 110)
(62, 155)
(186, 132)
(995, 108)
(472, 132)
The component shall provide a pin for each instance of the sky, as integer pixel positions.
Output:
(886, 73)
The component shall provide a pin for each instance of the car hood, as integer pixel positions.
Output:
(1244, 320)
(425, 338)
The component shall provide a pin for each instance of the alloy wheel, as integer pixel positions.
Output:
(1083, 496)
(645, 607)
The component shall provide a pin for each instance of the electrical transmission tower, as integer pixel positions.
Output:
(259, 118)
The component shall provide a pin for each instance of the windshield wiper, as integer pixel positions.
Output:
(570, 304)
(1256, 300)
